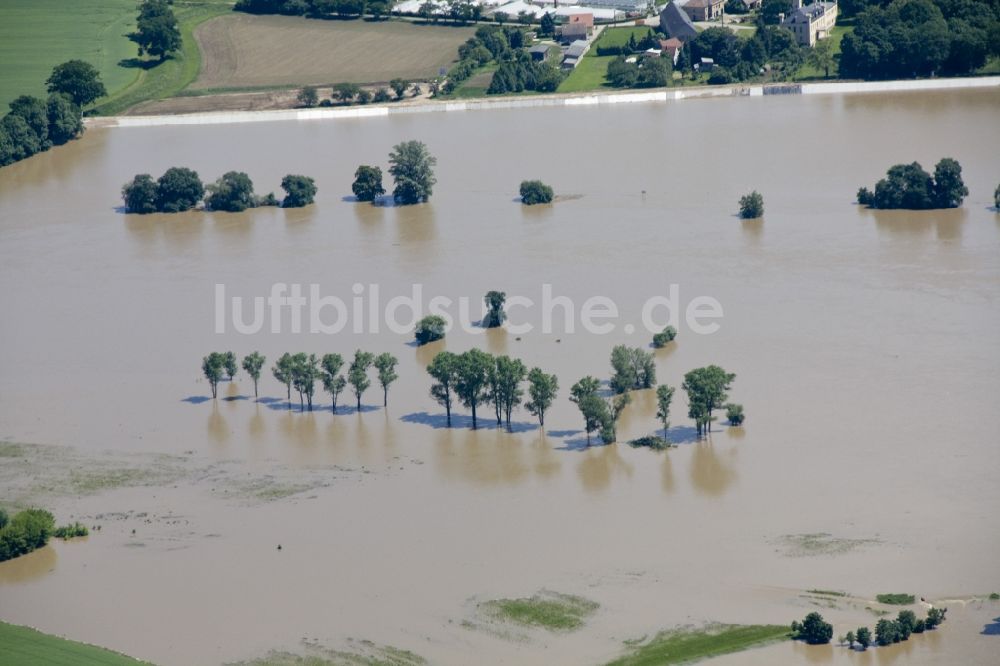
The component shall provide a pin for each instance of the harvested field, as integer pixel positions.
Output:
(243, 51)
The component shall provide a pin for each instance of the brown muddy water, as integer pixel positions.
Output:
(865, 348)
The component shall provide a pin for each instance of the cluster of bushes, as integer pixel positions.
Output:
(316, 8)
(909, 187)
(664, 337)
(33, 125)
(412, 168)
(180, 189)
(815, 631)
(302, 371)
(910, 38)
(26, 531)
(535, 192)
(643, 72)
(477, 379)
(76, 529)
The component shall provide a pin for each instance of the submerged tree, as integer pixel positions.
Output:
(444, 369)
(214, 367)
(299, 191)
(139, 195)
(909, 187)
(305, 372)
(752, 206)
(333, 381)
(429, 329)
(535, 192)
(230, 363)
(233, 192)
(367, 184)
(282, 371)
(385, 363)
(634, 368)
(252, 364)
(507, 392)
(734, 414)
(472, 379)
(542, 389)
(357, 374)
(412, 168)
(706, 388)
(664, 337)
(592, 407)
(495, 315)
(664, 396)
(178, 189)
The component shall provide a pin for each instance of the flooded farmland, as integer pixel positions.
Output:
(864, 344)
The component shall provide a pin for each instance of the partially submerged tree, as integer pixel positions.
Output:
(178, 189)
(357, 374)
(233, 192)
(664, 396)
(367, 184)
(412, 168)
(230, 364)
(333, 381)
(385, 363)
(305, 372)
(664, 337)
(752, 206)
(252, 364)
(140, 194)
(429, 329)
(282, 371)
(535, 192)
(299, 191)
(542, 389)
(495, 314)
(472, 379)
(444, 369)
(814, 630)
(734, 414)
(507, 392)
(634, 368)
(213, 367)
(909, 187)
(706, 388)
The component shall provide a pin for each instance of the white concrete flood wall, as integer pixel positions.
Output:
(602, 98)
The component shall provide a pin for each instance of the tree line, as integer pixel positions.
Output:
(516, 71)
(816, 631)
(302, 372)
(377, 9)
(33, 125)
(478, 379)
(180, 189)
(908, 186)
(346, 93)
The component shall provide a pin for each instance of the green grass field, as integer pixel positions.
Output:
(37, 35)
(21, 646)
(173, 75)
(682, 647)
(591, 73)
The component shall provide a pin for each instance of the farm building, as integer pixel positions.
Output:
(676, 23)
(812, 22)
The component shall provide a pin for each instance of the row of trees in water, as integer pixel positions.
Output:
(180, 189)
(816, 631)
(303, 371)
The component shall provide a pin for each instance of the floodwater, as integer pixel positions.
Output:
(864, 344)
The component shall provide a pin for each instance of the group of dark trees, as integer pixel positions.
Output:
(302, 371)
(908, 186)
(706, 390)
(641, 72)
(156, 31)
(180, 189)
(515, 72)
(743, 59)
(412, 168)
(816, 631)
(377, 9)
(34, 125)
(477, 379)
(913, 38)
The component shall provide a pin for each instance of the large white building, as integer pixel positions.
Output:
(811, 22)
